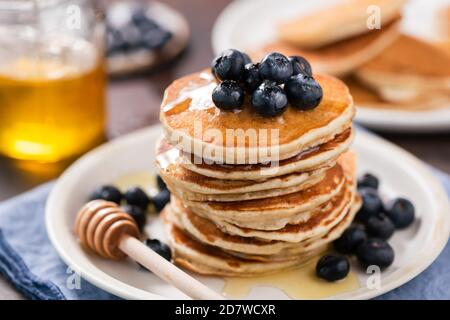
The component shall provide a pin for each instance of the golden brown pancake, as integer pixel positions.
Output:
(188, 195)
(265, 213)
(410, 56)
(341, 57)
(187, 106)
(294, 249)
(343, 20)
(206, 231)
(314, 158)
(333, 178)
(193, 186)
(444, 45)
(368, 98)
(184, 180)
(408, 71)
(208, 260)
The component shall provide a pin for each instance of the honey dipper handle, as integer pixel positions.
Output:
(167, 271)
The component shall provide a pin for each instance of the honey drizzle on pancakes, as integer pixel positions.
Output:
(195, 96)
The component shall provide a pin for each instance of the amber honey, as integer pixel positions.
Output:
(51, 109)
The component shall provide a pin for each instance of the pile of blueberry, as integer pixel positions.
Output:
(272, 83)
(134, 201)
(134, 31)
(367, 237)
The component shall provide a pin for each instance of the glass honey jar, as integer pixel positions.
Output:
(52, 78)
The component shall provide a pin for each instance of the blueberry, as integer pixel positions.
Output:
(229, 65)
(371, 204)
(350, 239)
(155, 38)
(161, 199)
(275, 67)
(131, 36)
(160, 248)
(332, 267)
(269, 100)
(300, 65)
(368, 180)
(137, 214)
(380, 226)
(401, 211)
(251, 79)
(228, 95)
(247, 59)
(142, 21)
(108, 193)
(303, 92)
(137, 197)
(114, 41)
(375, 251)
(161, 184)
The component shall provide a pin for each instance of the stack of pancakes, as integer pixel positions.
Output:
(383, 67)
(258, 212)
(339, 38)
(410, 74)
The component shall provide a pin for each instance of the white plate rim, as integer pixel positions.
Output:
(110, 284)
(426, 121)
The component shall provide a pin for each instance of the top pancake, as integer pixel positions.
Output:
(195, 125)
(324, 26)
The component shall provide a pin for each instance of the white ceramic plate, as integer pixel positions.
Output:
(401, 175)
(250, 23)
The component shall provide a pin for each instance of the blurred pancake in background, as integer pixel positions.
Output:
(343, 20)
(341, 57)
(443, 27)
(409, 73)
(393, 72)
(337, 44)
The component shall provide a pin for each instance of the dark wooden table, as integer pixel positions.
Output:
(134, 103)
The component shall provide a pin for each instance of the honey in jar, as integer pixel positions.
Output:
(52, 81)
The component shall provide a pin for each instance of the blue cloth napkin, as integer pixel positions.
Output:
(27, 258)
(29, 262)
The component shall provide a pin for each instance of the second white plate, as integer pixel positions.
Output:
(250, 23)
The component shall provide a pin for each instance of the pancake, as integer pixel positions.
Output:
(313, 178)
(409, 70)
(318, 157)
(196, 187)
(369, 98)
(194, 125)
(323, 27)
(203, 259)
(207, 232)
(342, 57)
(291, 251)
(270, 211)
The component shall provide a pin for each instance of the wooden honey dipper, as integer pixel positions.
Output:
(105, 229)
